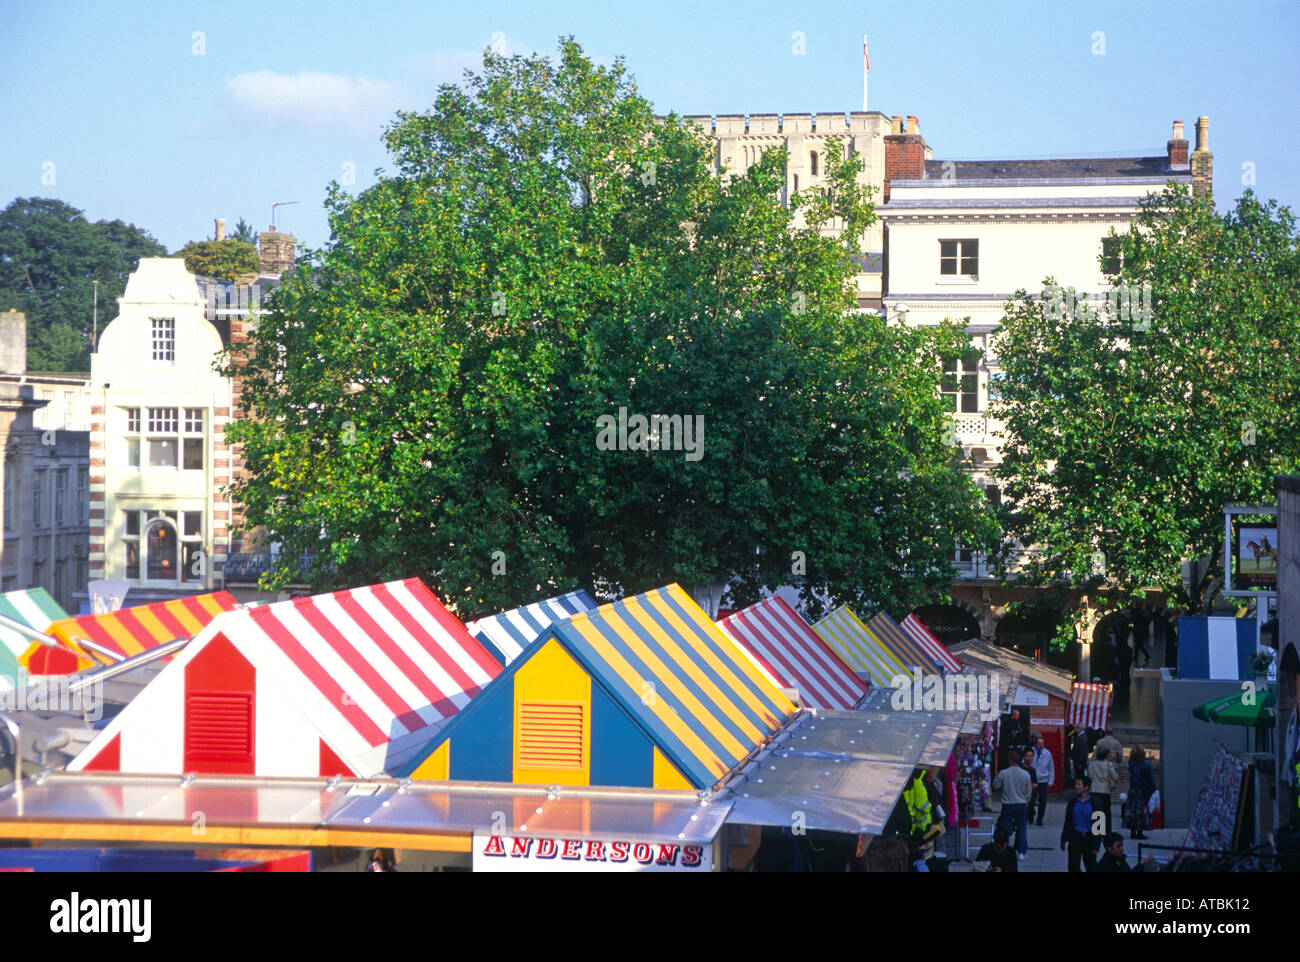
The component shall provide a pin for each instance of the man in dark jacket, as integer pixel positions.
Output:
(999, 853)
(1076, 834)
(1113, 860)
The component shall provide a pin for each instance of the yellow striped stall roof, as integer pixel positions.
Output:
(845, 632)
(688, 683)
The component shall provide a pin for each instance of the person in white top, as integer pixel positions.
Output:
(1044, 772)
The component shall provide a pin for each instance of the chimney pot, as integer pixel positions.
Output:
(221, 228)
(896, 124)
(1178, 130)
(913, 125)
(1202, 133)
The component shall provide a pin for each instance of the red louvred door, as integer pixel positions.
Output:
(220, 711)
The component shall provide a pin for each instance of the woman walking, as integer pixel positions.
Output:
(1141, 786)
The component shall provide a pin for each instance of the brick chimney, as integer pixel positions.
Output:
(221, 229)
(904, 152)
(1177, 148)
(1203, 161)
(275, 251)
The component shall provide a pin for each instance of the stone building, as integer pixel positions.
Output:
(44, 473)
(740, 142)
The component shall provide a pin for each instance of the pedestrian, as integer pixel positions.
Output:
(917, 797)
(1077, 838)
(380, 862)
(1079, 751)
(1141, 786)
(1113, 860)
(998, 853)
(1045, 769)
(1027, 763)
(1013, 782)
(1109, 742)
(1124, 662)
(1103, 776)
(1141, 632)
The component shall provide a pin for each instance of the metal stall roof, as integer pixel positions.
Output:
(841, 771)
(315, 812)
(788, 649)
(506, 635)
(1045, 678)
(849, 637)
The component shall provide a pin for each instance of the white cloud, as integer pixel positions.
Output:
(310, 99)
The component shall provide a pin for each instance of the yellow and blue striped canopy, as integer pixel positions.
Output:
(888, 633)
(690, 686)
(865, 653)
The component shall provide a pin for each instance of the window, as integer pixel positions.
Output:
(82, 575)
(168, 439)
(170, 549)
(1112, 258)
(163, 339)
(38, 501)
(38, 574)
(960, 385)
(83, 495)
(959, 258)
(69, 410)
(56, 589)
(60, 494)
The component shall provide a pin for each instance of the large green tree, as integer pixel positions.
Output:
(1132, 420)
(425, 396)
(50, 255)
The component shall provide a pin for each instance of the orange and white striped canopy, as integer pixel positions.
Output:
(129, 631)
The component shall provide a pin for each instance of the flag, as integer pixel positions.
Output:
(866, 61)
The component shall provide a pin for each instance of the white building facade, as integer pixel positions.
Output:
(158, 457)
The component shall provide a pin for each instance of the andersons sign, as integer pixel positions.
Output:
(531, 853)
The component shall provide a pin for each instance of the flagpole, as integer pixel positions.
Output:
(866, 67)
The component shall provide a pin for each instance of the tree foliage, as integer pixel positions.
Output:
(224, 260)
(50, 255)
(423, 396)
(1126, 436)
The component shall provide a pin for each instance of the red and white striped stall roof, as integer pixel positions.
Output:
(929, 644)
(1089, 705)
(371, 674)
(784, 645)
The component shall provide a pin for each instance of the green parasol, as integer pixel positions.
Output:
(1235, 710)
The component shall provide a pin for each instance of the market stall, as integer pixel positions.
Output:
(929, 643)
(349, 683)
(506, 635)
(1089, 706)
(888, 633)
(645, 692)
(1041, 693)
(32, 608)
(785, 646)
(124, 632)
(861, 650)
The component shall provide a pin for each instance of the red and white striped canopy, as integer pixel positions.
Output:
(929, 644)
(785, 646)
(1089, 705)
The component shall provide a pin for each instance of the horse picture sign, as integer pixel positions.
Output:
(1257, 556)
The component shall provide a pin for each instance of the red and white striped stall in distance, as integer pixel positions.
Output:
(781, 643)
(351, 683)
(929, 644)
(1089, 706)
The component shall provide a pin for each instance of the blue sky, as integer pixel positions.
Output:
(169, 115)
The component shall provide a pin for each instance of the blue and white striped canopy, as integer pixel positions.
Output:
(507, 635)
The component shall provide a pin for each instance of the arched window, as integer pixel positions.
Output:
(164, 547)
(812, 163)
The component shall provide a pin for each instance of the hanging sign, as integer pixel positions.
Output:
(535, 853)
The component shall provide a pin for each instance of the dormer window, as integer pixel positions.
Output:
(163, 339)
